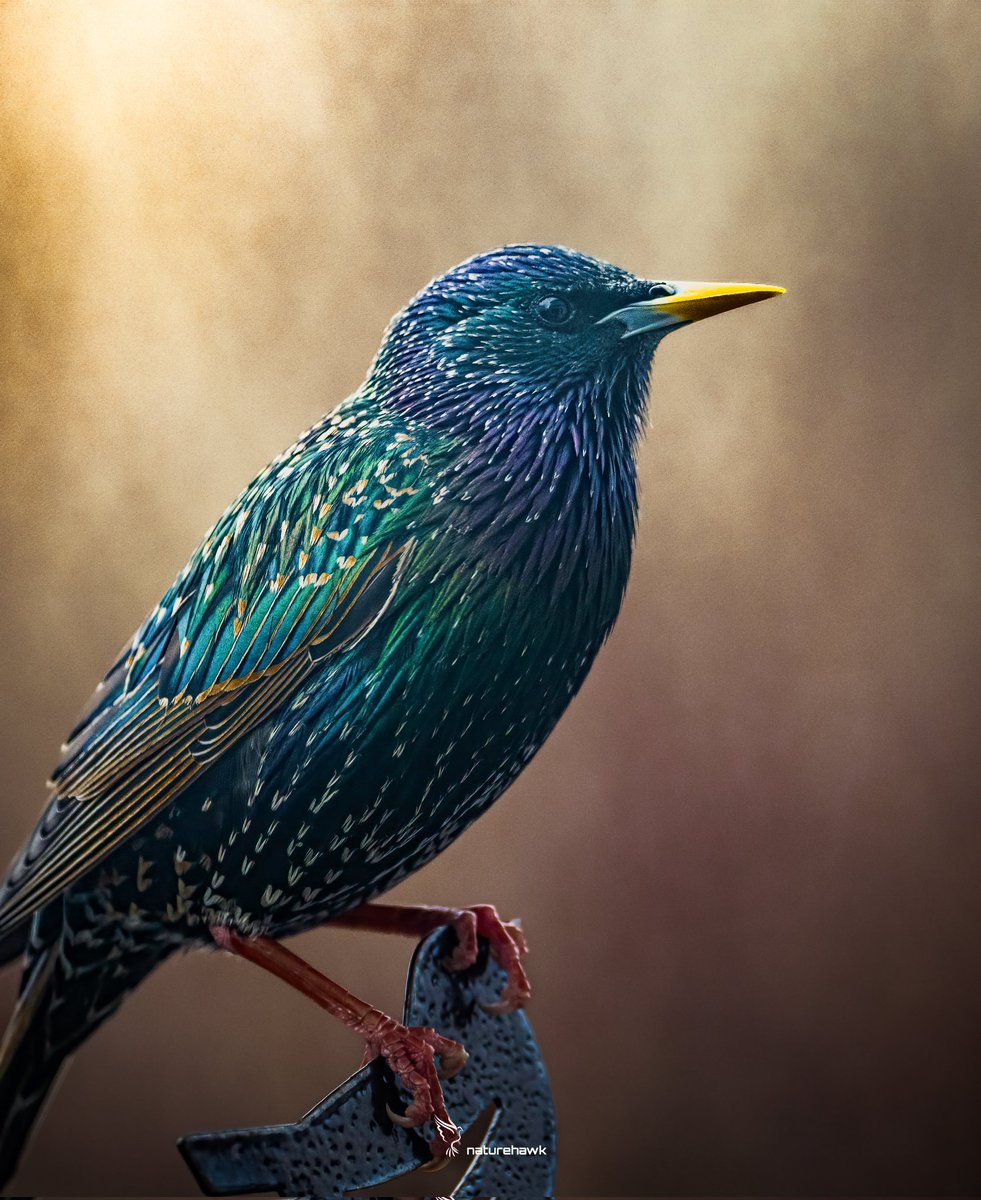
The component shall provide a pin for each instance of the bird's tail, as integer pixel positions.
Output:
(59, 1006)
(29, 1065)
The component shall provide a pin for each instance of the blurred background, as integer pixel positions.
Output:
(747, 860)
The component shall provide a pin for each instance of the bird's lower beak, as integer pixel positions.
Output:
(689, 302)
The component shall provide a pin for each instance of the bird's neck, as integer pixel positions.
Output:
(538, 484)
(546, 501)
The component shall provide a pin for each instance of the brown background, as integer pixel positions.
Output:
(747, 860)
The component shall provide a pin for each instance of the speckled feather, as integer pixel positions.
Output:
(365, 650)
(293, 573)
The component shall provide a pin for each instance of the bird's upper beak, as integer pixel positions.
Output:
(689, 302)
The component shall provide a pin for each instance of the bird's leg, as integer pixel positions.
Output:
(507, 941)
(410, 1051)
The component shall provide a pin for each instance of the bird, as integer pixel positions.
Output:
(362, 654)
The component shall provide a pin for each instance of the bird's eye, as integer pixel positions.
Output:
(555, 311)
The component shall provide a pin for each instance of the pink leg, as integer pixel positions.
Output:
(410, 1051)
(507, 941)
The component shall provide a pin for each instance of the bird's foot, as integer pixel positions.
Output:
(507, 941)
(411, 1051)
(508, 946)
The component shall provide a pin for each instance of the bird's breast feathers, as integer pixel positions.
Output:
(491, 582)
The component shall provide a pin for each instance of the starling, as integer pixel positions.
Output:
(362, 654)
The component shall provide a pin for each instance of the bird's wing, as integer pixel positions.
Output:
(297, 570)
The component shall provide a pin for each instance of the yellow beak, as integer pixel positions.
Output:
(688, 302)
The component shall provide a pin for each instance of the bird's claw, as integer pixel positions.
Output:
(400, 1119)
(439, 1161)
(411, 1052)
(450, 1067)
(508, 946)
(507, 1004)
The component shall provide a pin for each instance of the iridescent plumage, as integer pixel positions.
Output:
(363, 653)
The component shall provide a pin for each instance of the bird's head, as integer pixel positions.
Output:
(531, 331)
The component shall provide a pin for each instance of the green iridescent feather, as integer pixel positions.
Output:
(294, 571)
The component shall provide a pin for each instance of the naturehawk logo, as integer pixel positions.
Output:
(519, 1150)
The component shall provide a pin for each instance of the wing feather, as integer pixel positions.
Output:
(300, 567)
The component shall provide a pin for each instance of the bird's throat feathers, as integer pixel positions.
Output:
(540, 484)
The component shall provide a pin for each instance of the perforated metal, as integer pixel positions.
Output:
(347, 1144)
